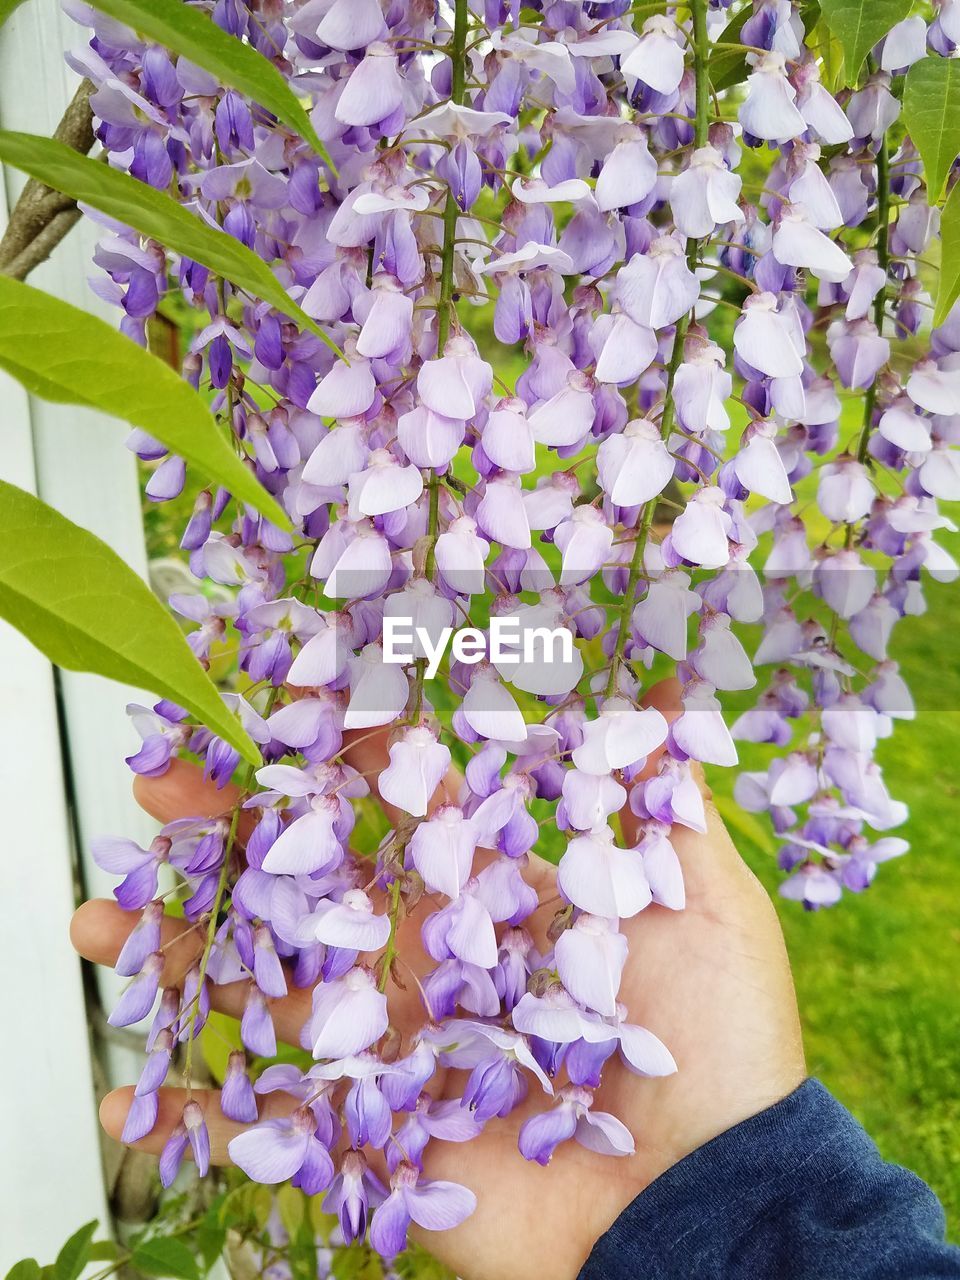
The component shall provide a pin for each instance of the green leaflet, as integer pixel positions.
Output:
(859, 24)
(63, 354)
(76, 600)
(153, 214)
(74, 1255)
(948, 286)
(190, 32)
(728, 66)
(165, 1256)
(25, 1269)
(931, 113)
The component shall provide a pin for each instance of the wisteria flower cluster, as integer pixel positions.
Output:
(716, 409)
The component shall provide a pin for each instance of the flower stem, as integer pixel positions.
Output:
(451, 210)
(215, 908)
(701, 128)
(879, 303)
(386, 960)
(451, 214)
(208, 941)
(701, 71)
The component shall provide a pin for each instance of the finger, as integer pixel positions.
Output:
(114, 1108)
(183, 792)
(99, 929)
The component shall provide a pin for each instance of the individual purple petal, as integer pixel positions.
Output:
(598, 1131)
(144, 939)
(197, 1136)
(636, 465)
(138, 998)
(643, 1052)
(457, 383)
(769, 111)
(275, 1150)
(541, 1134)
(388, 1230)
(171, 1157)
(700, 732)
(662, 868)
(374, 91)
(621, 736)
(590, 959)
(237, 1099)
(347, 391)
(308, 844)
(352, 923)
(628, 175)
(349, 1014)
(430, 439)
(378, 690)
(601, 878)
(141, 1117)
(705, 194)
(439, 1206)
(256, 1026)
(442, 849)
(417, 765)
(655, 289)
(316, 1173)
(700, 533)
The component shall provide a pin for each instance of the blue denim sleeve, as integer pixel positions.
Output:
(798, 1192)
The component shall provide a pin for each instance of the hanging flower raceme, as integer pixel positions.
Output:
(495, 542)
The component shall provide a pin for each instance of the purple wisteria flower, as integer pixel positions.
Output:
(629, 384)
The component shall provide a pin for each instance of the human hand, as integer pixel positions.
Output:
(712, 981)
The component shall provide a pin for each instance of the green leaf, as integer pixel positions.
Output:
(64, 354)
(247, 1206)
(77, 601)
(7, 8)
(728, 66)
(416, 1264)
(165, 1256)
(218, 1039)
(859, 24)
(209, 1238)
(191, 32)
(948, 286)
(356, 1262)
(75, 1254)
(292, 1208)
(823, 42)
(26, 1269)
(931, 114)
(104, 1251)
(153, 214)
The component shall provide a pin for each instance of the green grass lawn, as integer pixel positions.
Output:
(877, 976)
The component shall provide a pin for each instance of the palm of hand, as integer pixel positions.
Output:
(712, 981)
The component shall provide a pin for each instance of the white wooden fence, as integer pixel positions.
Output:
(63, 737)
